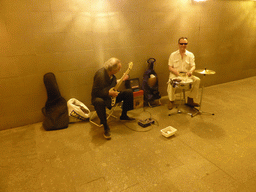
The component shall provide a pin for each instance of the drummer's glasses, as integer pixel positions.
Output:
(183, 43)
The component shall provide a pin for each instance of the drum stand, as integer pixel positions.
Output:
(198, 111)
(182, 95)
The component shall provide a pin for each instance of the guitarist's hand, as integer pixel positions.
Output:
(126, 77)
(113, 93)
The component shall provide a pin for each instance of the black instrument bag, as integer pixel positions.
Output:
(150, 82)
(55, 110)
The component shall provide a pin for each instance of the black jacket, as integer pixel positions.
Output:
(101, 85)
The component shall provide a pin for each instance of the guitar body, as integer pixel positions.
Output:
(113, 99)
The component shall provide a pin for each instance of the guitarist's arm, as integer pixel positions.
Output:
(124, 79)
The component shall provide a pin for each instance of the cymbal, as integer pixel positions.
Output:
(205, 71)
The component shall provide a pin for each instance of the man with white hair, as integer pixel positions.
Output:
(102, 94)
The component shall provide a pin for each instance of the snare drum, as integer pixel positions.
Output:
(181, 82)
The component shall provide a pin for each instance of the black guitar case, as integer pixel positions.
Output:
(55, 110)
(150, 85)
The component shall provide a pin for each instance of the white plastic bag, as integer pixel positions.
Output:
(78, 110)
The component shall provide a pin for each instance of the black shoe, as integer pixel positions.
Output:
(170, 105)
(107, 135)
(126, 118)
(192, 105)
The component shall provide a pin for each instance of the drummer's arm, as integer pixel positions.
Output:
(174, 71)
(189, 73)
(193, 65)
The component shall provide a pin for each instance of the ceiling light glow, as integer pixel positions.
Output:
(199, 0)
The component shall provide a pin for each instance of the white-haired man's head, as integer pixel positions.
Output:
(113, 65)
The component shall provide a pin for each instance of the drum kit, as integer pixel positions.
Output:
(184, 81)
(181, 81)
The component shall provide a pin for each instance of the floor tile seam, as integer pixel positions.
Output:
(21, 156)
(209, 161)
(96, 179)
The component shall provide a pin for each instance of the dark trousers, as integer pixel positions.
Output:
(100, 105)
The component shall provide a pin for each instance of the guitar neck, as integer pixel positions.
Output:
(121, 80)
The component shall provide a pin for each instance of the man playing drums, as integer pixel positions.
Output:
(182, 62)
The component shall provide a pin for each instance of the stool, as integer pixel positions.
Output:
(182, 92)
(183, 86)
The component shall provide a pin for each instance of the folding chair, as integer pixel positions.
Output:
(109, 114)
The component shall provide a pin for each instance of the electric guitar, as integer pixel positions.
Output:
(113, 99)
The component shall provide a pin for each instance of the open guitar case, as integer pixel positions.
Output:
(55, 110)
(150, 84)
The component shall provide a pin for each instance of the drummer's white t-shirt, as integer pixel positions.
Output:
(182, 65)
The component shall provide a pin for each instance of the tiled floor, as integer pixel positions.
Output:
(208, 152)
